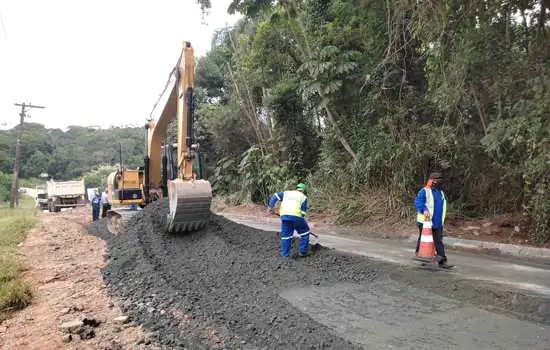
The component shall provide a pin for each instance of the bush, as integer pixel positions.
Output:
(97, 177)
(254, 179)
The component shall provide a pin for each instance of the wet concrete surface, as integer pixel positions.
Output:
(385, 315)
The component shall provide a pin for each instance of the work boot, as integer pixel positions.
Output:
(444, 265)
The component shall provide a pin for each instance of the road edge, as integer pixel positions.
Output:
(493, 248)
(490, 248)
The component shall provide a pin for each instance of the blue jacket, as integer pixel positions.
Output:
(96, 201)
(437, 215)
(279, 197)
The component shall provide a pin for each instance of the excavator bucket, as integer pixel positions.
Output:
(189, 202)
(117, 218)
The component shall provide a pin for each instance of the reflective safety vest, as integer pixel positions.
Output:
(292, 203)
(430, 205)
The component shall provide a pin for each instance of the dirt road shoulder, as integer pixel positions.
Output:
(71, 308)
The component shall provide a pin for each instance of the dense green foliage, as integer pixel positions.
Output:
(69, 155)
(79, 152)
(364, 98)
(97, 176)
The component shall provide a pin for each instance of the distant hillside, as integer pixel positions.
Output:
(70, 154)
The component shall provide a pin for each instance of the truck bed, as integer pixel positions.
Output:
(66, 189)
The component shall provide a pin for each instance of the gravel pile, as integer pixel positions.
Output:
(219, 287)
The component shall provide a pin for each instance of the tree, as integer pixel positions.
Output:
(68, 155)
(398, 87)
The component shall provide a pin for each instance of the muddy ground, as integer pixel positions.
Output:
(221, 287)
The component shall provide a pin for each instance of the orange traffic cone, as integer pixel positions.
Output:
(426, 250)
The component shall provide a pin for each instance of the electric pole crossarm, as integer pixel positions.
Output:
(28, 105)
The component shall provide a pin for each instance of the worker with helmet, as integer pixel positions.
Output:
(431, 205)
(292, 212)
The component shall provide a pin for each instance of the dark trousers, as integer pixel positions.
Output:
(437, 234)
(104, 209)
(287, 231)
(95, 212)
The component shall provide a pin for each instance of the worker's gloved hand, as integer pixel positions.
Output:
(427, 215)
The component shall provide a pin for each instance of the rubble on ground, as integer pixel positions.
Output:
(219, 287)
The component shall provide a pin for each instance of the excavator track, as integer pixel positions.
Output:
(189, 202)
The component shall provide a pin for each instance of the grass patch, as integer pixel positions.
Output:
(15, 293)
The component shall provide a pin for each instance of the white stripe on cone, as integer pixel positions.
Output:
(426, 238)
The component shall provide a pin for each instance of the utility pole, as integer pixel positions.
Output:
(14, 200)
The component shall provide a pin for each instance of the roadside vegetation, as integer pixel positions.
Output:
(70, 154)
(363, 99)
(15, 292)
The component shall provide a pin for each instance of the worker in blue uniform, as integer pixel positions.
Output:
(431, 205)
(292, 212)
(96, 204)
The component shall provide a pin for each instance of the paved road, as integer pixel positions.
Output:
(394, 314)
(384, 316)
(527, 276)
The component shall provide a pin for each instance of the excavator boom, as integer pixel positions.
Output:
(189, 198)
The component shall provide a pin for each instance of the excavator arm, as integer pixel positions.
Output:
(189, 198)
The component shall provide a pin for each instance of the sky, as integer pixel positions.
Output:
(95, 63)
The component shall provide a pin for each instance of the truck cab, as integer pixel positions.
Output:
(41, 198)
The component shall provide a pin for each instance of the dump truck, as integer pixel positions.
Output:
(65, 194)
(41, 198)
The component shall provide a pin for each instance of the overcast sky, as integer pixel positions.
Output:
(95, 62)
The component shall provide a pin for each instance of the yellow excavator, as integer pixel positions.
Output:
(189, 197)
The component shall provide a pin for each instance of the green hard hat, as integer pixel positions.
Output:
(301, 186)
